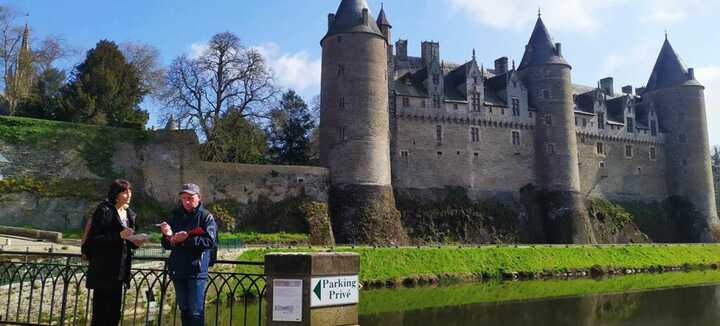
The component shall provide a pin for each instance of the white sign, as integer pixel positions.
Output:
(334, 291)
(287, 300)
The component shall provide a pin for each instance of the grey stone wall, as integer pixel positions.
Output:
(158, 168)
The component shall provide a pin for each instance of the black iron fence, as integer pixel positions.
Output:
(49, 289)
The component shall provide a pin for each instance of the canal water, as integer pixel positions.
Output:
(650, 299)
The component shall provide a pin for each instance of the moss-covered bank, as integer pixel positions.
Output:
(394, 266)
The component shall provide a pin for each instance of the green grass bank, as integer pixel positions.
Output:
(408, 266)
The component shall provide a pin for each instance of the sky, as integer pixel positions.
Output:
(601, 38)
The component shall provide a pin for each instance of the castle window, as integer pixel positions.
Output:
(530, 114)
(455, 107)
(341, 69)
(423, 103)
(341, 103)
(340, 133)
(404, 154)
(548, 119)
(576, 121)
(489, 109)
(584, 122)
(439, 154)
(438, 134)
(516, 137)
(474, 134)
(405, 102)
(601, 120)
(546, 94)
(628, 151)
(436, 79)
(476, 157)
(630, 125)
(682, 138)
(476, 102)
(514, 84)
(639, 171)
(653, 154)
(582, 139)
(474, 79)
(515, 106)
(600, 148)
(653, 127)
(551, 148)
(502, 111)
(458, 152)
(602, 164)
(436, 101)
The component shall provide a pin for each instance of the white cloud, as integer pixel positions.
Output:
(292, 70)
(197, 50)
(670, 11)
(710, 77)
(577, 15)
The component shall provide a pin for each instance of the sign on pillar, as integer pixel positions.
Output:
(315, 289)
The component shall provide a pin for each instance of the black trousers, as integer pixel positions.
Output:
(106, 305)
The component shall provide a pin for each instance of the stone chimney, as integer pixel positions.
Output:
(501, 65)
(691, 73)
(331, 20)
(558, 49)
(430, 52)
(401, 48)
(606, 85)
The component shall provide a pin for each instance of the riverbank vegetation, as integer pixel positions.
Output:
(430, 265)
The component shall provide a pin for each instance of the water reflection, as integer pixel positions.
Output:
(696, 305)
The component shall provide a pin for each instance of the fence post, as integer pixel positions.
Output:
(312, 289)
(66, 284)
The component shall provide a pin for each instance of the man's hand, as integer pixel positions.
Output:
(178, 237)
(126, 232)
(165, 229)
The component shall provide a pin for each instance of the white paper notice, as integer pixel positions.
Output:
(287, 300)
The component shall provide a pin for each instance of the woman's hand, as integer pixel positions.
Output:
(126, 232)
(165, 229)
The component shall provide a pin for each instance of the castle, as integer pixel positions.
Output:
(394, 123)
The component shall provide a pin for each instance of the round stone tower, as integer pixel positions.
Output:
(679, 101)
(354, 127)
(547, 76)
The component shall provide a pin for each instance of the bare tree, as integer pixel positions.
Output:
(10, 37)
(146, 60)
(51, 49)
(226, 77)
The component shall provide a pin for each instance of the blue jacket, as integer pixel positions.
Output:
(190, 258)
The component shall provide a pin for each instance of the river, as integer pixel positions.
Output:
(649, 299)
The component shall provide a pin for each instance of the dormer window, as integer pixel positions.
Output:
(405, 102)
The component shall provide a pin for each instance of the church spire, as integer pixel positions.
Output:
(540, 49)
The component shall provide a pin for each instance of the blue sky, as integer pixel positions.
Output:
(618, 38)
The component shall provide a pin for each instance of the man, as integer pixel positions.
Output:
(191, 235)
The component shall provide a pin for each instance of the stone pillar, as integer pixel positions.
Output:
(328, 289)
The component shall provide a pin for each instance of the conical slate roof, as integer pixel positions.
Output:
(382, 20)
(348, 19)
(669, 70)
(540, 49)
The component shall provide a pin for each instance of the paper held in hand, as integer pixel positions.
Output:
(138, 237)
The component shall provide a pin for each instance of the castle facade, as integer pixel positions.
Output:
(395, 122)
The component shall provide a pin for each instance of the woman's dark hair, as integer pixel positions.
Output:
(118, 186)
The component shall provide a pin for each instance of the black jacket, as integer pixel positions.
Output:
(109, 255)
(191, 258)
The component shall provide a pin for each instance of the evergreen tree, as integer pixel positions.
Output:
(45, 96)
(290, 131)
(235, 140)
(105, 89)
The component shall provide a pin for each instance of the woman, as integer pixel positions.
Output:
(108, 245)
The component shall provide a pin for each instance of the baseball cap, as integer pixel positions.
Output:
(190, 188)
